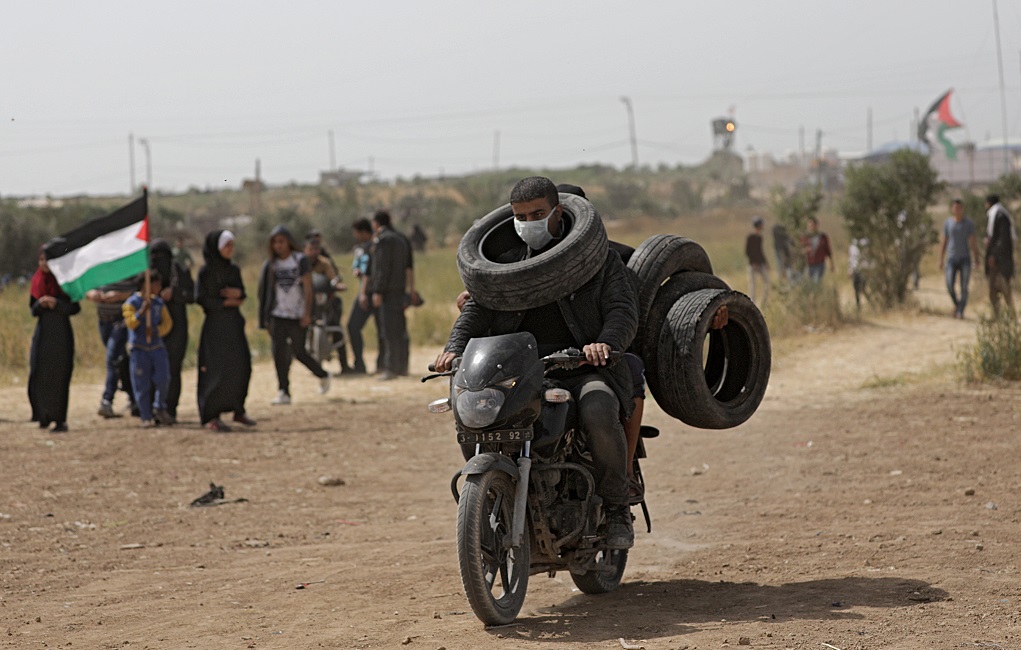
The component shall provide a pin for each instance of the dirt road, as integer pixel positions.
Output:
(873, 502)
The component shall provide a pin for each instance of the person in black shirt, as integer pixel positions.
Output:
(177, 293)
(389, 275)
(114, 335)
(758, 267)
(999, 240)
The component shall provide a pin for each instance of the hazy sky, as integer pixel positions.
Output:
(422, 87)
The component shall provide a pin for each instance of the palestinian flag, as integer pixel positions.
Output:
(102, 251)
(936, 123)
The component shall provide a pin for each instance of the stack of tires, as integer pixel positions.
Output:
(707, 378)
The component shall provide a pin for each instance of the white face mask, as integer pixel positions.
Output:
(534, 233)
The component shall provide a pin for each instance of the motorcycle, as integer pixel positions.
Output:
(323, 337)
(528, 503)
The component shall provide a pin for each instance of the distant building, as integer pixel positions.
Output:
(974, 164)
(340, 177)
(979, 163)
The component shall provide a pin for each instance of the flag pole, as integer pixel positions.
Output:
(148, 291)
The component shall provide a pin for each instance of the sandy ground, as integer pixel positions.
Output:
(872, 502)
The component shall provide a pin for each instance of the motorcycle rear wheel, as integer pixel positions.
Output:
(317, 343)
(495, 578)
(607, 577)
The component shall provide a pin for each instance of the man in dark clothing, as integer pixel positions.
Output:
(388, 283)
(600, 317)
(114, 335)
(362, 308)
(1000, 238)
(782, 249)
(758, 267)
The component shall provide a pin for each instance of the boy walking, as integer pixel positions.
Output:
(148, 321)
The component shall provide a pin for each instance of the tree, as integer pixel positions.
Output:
(887, 206)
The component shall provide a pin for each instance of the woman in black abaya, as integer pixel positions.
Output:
(178, 291)
(225, 361)
(51, 360)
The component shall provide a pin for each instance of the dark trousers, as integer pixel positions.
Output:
(394, 333)
(599, 414)
(114, 335)
(151, 370)
(355, 325)
(288, 341)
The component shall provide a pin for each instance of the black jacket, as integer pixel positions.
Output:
(603, 310)
(391, 255)
(1001, 246)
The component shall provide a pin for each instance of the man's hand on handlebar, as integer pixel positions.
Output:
(597, 354)
(443, 361)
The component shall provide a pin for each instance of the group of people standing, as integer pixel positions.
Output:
(815, 246)
(958, 254)
(146, 337)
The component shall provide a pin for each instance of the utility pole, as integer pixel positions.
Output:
(868, 132)
(818, 157)
(631, 129)
(1003, 93)
(131, 160)
(496, 150)
(333, 152)
(801, 145)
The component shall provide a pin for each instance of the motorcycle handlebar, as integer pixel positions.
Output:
(570, 358)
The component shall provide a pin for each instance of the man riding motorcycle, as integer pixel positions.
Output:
(600, 317)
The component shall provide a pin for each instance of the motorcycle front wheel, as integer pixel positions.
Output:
(495, 578)
(606, 576)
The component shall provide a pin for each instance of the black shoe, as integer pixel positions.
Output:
(164, 419)
(135, 413)
(61, 427)
(620, 534)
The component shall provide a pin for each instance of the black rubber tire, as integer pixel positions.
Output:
(480, 551)
(539, 280)
(658, 258)
(721, 387)
(646, 344)
(597, 582)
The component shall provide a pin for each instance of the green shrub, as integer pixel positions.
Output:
(886, 205)
(997, 350)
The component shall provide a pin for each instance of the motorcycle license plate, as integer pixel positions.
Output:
(501, 435)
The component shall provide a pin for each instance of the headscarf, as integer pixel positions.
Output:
(44, 283)
(225, 238)
(163, 259)
(211, 250)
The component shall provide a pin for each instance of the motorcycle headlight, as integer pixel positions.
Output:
(478, 409)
